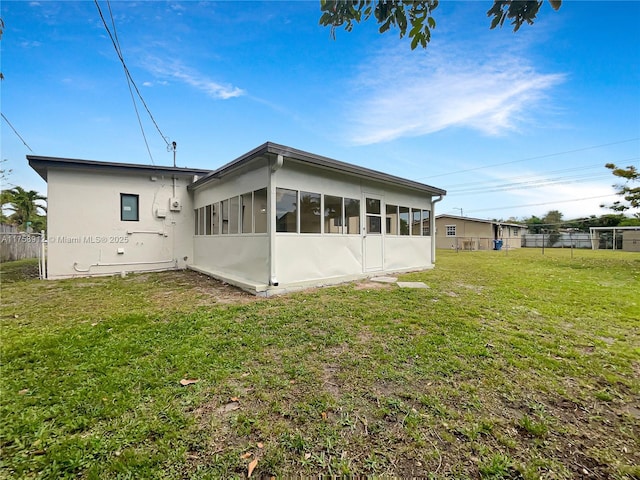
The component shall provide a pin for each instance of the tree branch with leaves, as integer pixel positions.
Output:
(627, 191)
(415, 17)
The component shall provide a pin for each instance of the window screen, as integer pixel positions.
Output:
(286, 210)
(426, 223)
(309, 212)
(373, 205)
(416, 222)
(215, 219)
(234, 209)
(392, 219)
(352, 215)
(332, 214)
(260, 210)
(201, 221)
(404, 220)
(246, 215)
(224, 207)
(207, 221)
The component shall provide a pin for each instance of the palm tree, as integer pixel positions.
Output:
(24, 205)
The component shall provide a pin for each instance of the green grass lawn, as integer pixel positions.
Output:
(19, 270)
(511, 365)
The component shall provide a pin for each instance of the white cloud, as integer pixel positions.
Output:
(153, 84)
(403, 93)
(30, 44)
(191, 77)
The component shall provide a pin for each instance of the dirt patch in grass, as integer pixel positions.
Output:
(367, 285)
(193, 287)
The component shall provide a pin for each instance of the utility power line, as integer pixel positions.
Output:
(598, 166)
(133, 99)
(16, 132)
(128, 74)
(531, 184)
(540, 204)
(539, 157)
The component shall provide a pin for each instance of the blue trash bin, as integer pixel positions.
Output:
(498, 244)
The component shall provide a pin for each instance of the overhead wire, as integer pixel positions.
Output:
(518, 177)
(539, 157)
(16, 132)
(540, 204)
(127, 72)
(133, 98)
(538, 183)
(492, 187)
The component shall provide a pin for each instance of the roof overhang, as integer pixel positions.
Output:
(480, 220)
(42, 165)
(292, 154)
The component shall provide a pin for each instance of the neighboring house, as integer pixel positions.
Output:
(465, 233)
(273, 220)
(626, 238)
(631, 240)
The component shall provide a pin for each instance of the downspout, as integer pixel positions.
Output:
(277, 165)
(433, 227)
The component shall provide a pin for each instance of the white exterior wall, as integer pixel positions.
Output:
(305, 258)
(407, 253)
(240, 258)
(85, 230)
(232, 185)
(309, 257)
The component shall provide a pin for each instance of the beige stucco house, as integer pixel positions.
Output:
(631, 240)
(465, 233)
(626, 238)
(272, 220)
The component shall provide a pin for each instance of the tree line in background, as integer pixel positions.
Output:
(553, 222)
(25, 207)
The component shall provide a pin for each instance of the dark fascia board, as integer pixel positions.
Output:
(480, 220)
(301, 156)
(42, 164)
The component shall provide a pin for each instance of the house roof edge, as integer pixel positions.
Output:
(41, 165)
(481, 220)
(317, 160)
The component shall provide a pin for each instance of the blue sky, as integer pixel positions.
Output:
(511, 124)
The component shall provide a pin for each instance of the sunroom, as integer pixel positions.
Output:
(279, 219)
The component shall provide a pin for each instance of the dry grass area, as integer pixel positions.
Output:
(511, 365)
